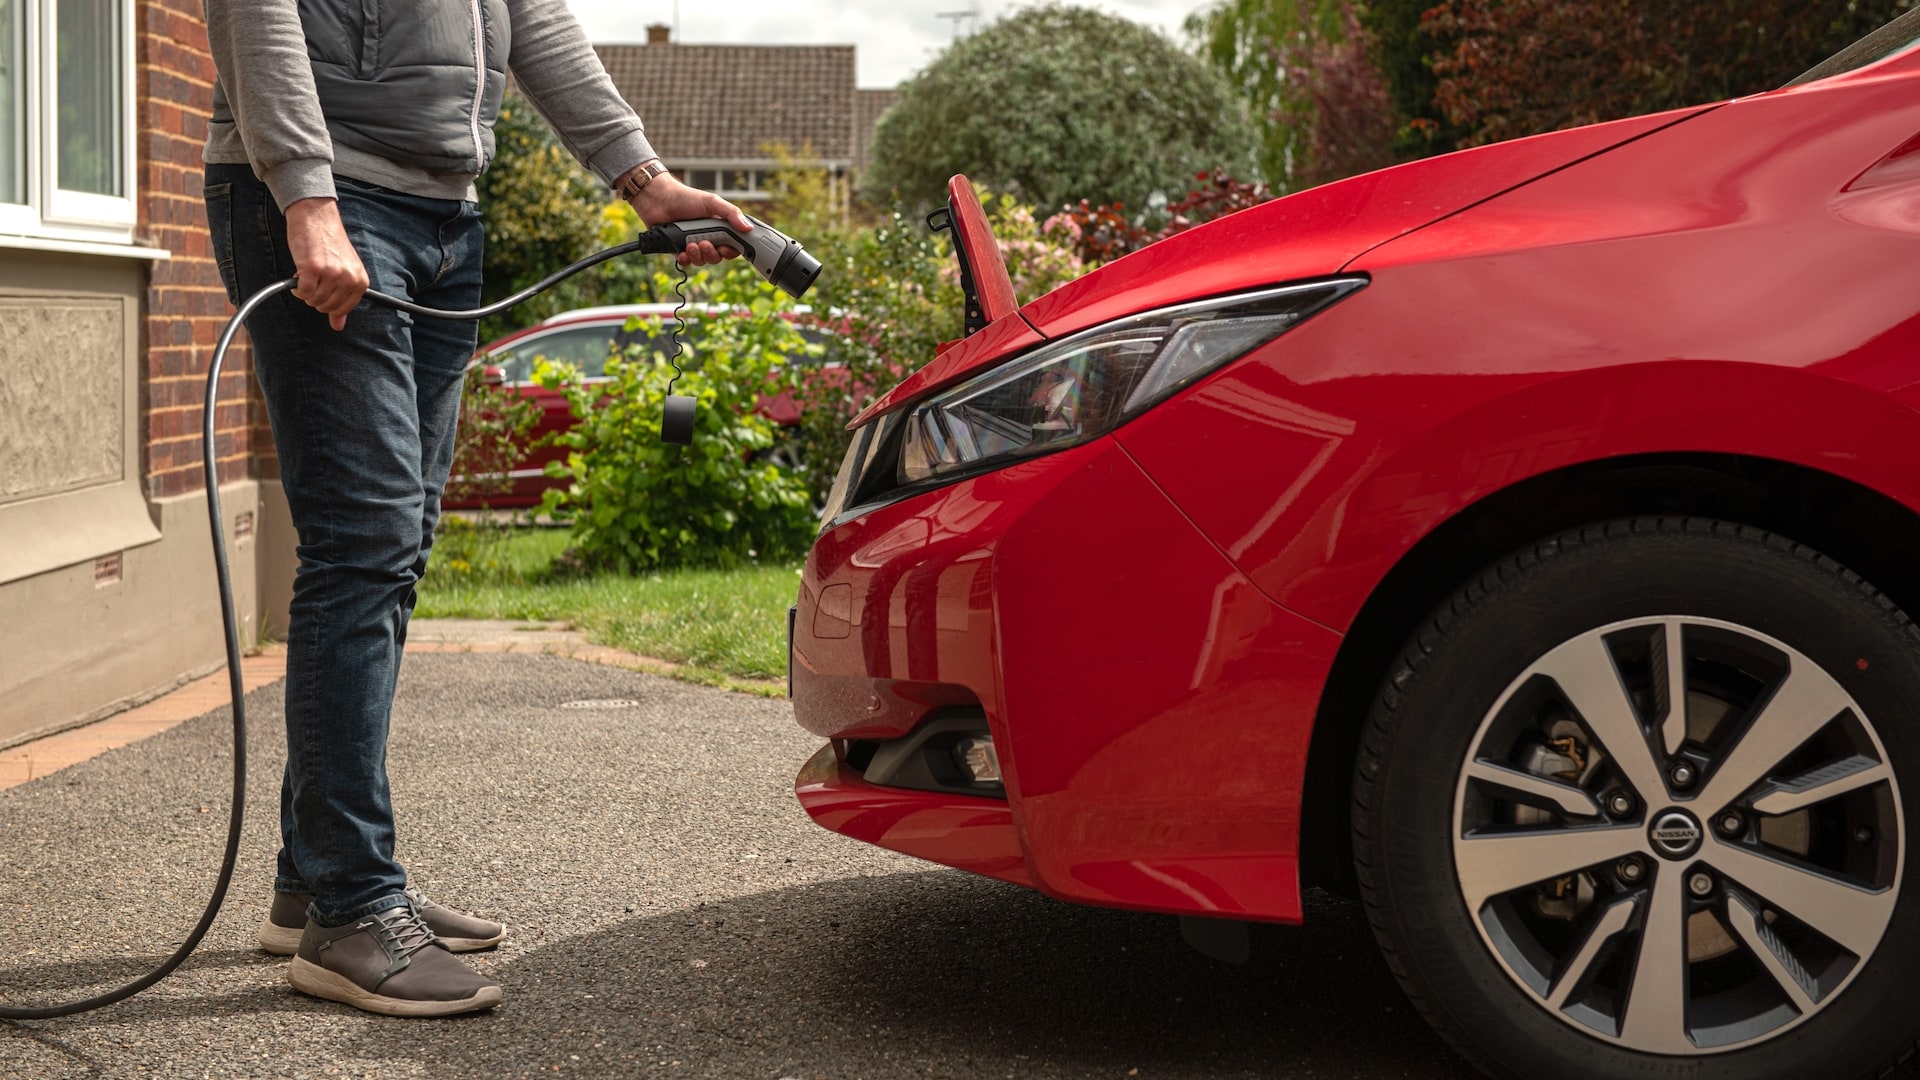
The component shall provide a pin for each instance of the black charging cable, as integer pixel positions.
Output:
(652, 242)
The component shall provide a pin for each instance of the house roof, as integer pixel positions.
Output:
(868, 107)
(728, 102)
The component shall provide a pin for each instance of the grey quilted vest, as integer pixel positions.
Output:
(413, 81)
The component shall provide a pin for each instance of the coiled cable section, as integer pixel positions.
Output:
(679, 327)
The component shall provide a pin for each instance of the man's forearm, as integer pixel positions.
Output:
(557, 67)
(261, 53)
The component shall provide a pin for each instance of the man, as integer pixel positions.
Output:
(343, 145)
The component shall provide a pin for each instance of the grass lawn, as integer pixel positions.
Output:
(724, 625)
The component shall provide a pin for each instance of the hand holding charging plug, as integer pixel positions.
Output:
(659, 198)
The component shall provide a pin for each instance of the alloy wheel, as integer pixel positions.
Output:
(1679, 835)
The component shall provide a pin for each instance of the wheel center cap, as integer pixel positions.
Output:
(1675, 834)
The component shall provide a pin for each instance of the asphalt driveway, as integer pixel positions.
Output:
(672, 913)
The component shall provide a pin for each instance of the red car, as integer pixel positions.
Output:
(585, 338)
(1525, 539)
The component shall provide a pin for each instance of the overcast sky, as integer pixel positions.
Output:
(895, 38)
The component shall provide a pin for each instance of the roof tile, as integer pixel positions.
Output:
(729, 102)
(869, 106)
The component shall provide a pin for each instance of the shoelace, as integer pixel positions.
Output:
(400, 930)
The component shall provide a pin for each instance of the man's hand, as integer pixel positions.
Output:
(332, 279)
(665, 199)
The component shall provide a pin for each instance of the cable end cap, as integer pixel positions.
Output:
(676, 423)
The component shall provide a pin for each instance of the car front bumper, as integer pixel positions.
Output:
(1150, 708)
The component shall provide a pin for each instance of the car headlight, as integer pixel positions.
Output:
(1066, 392)
(1081, 387)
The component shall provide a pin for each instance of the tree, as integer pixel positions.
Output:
(542, 212)
(1248, 42)
(1349, 124)
(1508, 68)
(1055, 104)
(1402, 48)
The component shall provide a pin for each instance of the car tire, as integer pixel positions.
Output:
(1644, 949)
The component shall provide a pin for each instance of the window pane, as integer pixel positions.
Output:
(13, 86)
(585, 347)
(88, 63)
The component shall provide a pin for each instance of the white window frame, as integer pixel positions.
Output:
(761, 168)
(25, 217)
(49, 211)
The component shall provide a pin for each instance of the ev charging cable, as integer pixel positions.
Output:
(778, 257)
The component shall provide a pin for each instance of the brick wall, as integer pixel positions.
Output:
(186, 305)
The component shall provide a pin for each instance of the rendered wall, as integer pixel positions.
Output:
(77, 647)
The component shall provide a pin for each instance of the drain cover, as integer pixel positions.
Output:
(601, 703)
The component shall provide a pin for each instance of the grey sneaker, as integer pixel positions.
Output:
(458, 931)
(388, 963)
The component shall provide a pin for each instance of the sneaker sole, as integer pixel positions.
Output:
(310, 978)
(285, 940)
(280, 940)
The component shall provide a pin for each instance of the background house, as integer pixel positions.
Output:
(718, 113)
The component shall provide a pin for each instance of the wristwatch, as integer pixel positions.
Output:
(639, 177)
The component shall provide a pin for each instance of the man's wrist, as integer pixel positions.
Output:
(314, 205)
(635, 180)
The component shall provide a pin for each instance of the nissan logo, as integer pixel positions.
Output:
(1675, 834)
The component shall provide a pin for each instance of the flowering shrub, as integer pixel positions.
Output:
(1101, 234)
(1040, 255)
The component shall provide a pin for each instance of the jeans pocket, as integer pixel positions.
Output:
(219, 199)
(351, 184)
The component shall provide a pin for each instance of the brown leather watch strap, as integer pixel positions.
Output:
(638, 177)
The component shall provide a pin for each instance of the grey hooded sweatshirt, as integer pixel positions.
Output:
(402, 93)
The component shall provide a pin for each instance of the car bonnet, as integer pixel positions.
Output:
(1309, 234)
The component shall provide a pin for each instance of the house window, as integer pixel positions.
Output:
(739, 183)
(87, 99)
(66, 108)
(13, 102)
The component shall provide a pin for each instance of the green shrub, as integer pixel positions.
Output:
(637, 503)
(1057, 104)
(883, 291)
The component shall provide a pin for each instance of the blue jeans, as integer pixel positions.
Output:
(363, 420)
